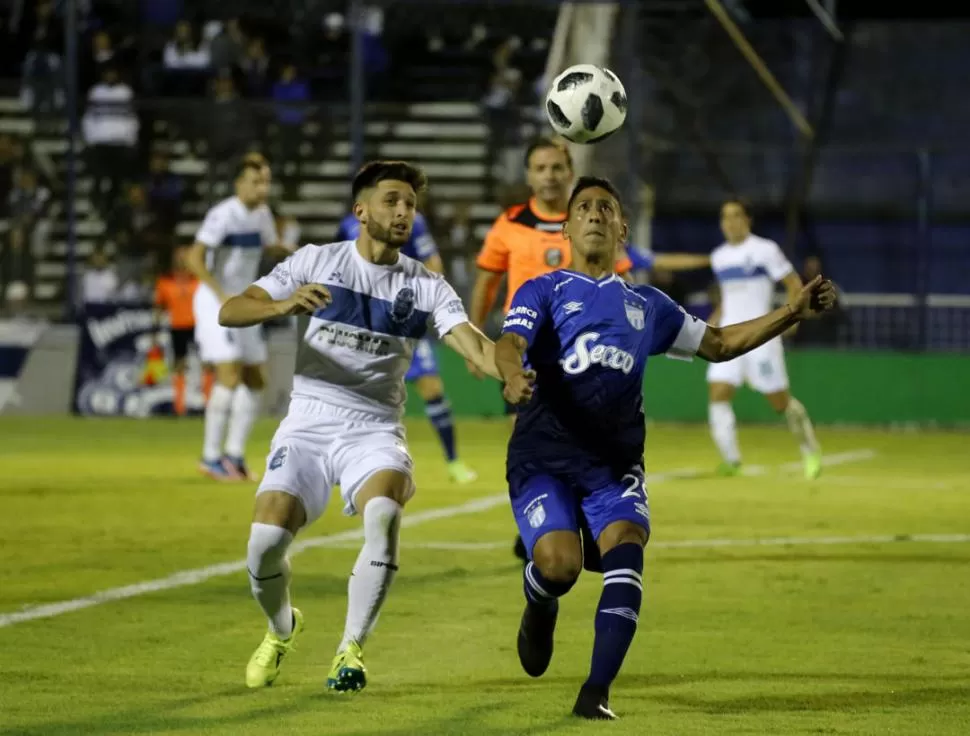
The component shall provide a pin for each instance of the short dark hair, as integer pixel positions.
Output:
(254, 161)
(544, 142)
(743, 202)
(588, 182)
(373, 173)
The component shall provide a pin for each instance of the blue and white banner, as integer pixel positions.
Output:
(122, 364)
(17, 338)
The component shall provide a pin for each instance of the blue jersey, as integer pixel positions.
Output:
(420, 245)
(641, 259)
(589, 342)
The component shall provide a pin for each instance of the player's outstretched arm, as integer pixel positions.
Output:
(726, 343)
(509, 351)
(680, 261)
(471, 344)
(255, 305)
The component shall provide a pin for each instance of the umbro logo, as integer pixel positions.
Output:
(335, 276)
(572, 307)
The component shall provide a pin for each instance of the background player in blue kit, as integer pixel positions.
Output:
(423, 372)
(574, 348)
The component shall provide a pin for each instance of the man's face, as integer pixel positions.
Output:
(595, 225)
(252, 186)
(735, 223)
(549, 174)
(387, 212)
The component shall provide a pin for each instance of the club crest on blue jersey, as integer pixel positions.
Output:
(403, 306)
(279, 457)
(635, 315)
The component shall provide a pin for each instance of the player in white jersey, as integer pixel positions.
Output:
(747, 268)
(363, 307)
(225, 259)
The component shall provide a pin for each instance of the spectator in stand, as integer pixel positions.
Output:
(140, 240)
(502, 117)
(101, 54)
(231, 129)
(291, 95)
(42, 84)
(226, 49)
(255, 69)
(110, 129)
(99, 281)
(8, 161)
(165, 192)
(29, 230)
(186, 62)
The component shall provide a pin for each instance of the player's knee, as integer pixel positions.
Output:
(782, 402)
(253, 378)
(430, 388)
(623, 532)
(267, 548)
(277, 508)
(558, 563)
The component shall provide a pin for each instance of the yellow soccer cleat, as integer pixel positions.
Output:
(813, 465)
(461, 473)
(264, 665)
(348, 674)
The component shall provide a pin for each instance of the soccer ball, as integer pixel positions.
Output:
(586, 103)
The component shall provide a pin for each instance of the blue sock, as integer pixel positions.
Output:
(541, 592)
(439, 412)
(616, 615)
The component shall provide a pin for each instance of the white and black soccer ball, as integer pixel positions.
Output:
(586, 103)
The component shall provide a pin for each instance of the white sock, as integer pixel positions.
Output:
(245, 407)
(720, 415)
(269, 575)
(374, 570)
(216, 414)
(801, 426)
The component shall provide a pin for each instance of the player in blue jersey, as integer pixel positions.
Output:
(423, 372)
(572, 355)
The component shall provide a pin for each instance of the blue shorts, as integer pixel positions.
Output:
(424, 363)
(552, 503)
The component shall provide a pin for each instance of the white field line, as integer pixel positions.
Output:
(201, 574)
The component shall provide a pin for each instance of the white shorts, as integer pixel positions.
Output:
(218, 344)
(319, 446)
(763, 369)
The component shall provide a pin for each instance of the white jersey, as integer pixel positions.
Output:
(355, 352)
(235, 237)
(747, 274)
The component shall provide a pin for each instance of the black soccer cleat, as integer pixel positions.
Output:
(520, 551)
(536, 634)
(593, 704)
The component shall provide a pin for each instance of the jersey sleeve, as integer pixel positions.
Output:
(675, 333)
(424, 245)
(529, 309)
(494, 255)
(448, 312)
(212, 233)
(268, 229)
(777, 265)
(640, 258)
(287, 276)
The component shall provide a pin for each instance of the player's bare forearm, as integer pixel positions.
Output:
(680, 261)
(471, 344)
(508, 355)
(726, 343)
(483, 295)
(793, 285)
(195, 264)
(254, 306)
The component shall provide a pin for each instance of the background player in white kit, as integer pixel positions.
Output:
(368, 305)
(225, 259)
(747, 267)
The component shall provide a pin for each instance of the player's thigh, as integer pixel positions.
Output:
(543, 505)
(253, 375)
(252, 345)
(181, 339)
(371, 459)
(764, 368)
(297, 467)
(723, 379)
(619, 509)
